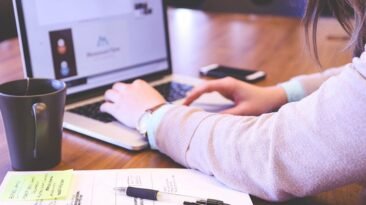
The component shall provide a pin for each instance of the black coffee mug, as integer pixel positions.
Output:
(32, 111)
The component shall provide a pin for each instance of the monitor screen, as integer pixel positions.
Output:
(91, 43)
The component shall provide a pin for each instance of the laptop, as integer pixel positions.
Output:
(90, 45)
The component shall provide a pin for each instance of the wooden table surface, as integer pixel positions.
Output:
(273, 44)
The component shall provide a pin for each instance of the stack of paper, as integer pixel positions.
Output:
(97, 187)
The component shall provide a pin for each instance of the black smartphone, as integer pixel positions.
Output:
(221, 71)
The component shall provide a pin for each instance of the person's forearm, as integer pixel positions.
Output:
(301, 86)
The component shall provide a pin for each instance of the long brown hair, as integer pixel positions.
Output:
(343, 10)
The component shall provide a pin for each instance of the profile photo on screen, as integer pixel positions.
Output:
(63, 53)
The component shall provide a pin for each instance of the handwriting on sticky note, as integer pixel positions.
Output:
(40, 186)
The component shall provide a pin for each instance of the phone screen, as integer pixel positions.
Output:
(226, 71)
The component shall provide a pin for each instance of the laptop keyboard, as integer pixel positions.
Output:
(92, 111)
(171, 91)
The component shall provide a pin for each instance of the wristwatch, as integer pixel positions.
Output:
(145, 119)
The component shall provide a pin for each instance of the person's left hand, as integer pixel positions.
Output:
(127, 102)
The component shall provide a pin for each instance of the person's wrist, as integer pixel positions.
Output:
(145, 118)
(278, 96)
(293, 90)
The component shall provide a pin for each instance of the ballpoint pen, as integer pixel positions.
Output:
(156, 195)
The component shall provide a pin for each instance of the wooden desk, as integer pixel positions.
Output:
(273, 44)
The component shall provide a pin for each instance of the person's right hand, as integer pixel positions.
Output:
(248, 99)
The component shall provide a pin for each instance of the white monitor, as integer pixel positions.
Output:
(92, 43)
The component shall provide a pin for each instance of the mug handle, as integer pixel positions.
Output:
(40, 124)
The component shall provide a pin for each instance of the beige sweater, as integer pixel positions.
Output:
(313, 145)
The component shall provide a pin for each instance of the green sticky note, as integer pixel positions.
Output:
(37, 186)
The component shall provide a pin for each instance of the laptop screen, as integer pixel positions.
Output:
(91, 43)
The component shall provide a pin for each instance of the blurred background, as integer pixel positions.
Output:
(294, 8)
(7, 21)
(291, 8)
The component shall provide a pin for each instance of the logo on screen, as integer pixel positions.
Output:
(102, 41)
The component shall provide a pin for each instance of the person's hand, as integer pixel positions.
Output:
(127, 102)
(248, 99)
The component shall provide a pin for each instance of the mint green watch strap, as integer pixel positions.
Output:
(294, 90)
(153, 125)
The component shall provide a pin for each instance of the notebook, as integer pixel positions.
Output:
(91, 44)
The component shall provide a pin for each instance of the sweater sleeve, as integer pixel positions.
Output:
(307, 147)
